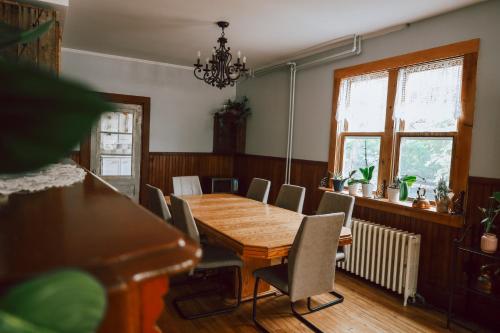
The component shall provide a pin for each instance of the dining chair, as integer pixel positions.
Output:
(187, 185)
(157, 204)
(259, 189)
(214, 257)
(291, 197)
(310, 270)
(332, 202)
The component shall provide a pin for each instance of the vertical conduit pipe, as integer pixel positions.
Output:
(291, 113)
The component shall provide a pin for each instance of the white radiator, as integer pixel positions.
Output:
(386, 256)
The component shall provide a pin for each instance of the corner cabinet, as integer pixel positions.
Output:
(229, 133)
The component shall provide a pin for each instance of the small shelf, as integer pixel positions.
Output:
(477, 251)
(406, 209)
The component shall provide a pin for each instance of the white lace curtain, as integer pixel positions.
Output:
(432, 88)
(361, 83)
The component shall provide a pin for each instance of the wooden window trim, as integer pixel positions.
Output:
(462, 137)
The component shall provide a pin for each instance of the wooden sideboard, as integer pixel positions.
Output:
(91, 227)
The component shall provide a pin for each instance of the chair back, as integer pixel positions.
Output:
(259, 189)
(157, 204)
(187, 185)
(183, 218)
(332, 202)
(291, 197)
(311, 260)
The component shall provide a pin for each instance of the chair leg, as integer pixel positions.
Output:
(339, 299)
(201, 294)
(254, 307)
(303, 320)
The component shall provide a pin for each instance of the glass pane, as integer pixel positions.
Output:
(109, 142)
(359, 152)
(116, 165)
(126, 122)
(363, 101)
(428, 158)
(109, 122)
(429, 96)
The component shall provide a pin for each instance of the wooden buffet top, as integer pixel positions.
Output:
(251, 228)
(91, 227)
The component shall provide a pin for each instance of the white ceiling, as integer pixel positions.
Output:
(173, 31)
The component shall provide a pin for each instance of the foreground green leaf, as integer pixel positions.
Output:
(10, 35)
(61, 302)
(43, 117)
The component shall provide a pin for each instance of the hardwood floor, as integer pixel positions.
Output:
(365, 309)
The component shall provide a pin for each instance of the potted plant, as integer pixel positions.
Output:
(398, 190)
(353, 186)
(366, 185)
(338, 180)
(442, 196)
(489, 241)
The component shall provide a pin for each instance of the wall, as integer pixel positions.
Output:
(268, 95)
(181, 106)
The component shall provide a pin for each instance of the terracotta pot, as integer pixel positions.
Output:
(489, 243)
(353, 189)
(443, 205)
(393, 194)
(367, 190)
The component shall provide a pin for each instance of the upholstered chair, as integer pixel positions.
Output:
(291, 197)
(187, 185)
(157, 204)
(259, 189)
(310, 270)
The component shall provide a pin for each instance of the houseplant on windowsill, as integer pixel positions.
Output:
(489, 241)
(366, 185)
(353, 186)
(442, 196)
(398, 190)
(338, 180)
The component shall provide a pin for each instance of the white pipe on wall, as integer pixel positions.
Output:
(291, 114)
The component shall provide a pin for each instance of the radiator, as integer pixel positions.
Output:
(386, 256)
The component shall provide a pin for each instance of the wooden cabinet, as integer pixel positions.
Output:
(229, 133)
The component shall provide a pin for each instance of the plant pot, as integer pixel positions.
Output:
(367, 190)
(353, 189)
(489, 243)
(338, 184)
(442, 205)
(393, 194)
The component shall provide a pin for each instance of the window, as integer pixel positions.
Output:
(361, 112)
(407, 115)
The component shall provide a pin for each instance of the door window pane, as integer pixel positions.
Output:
(116, 165)
(359, 152)
(429, 96)
(126, 122)
(428, 158)
(362, 102)
(109, 122)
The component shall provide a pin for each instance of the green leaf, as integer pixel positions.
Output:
(403, 191)
(496, 195)
(10, 35)
(410, 180)
(66, 301)
(43, 117)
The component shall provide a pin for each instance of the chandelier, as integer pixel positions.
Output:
(220, 71)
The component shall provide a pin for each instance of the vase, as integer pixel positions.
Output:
(442, 205)
(353, 189)
(489, 243)
(338, 184)
(393, 194)
(367, 190)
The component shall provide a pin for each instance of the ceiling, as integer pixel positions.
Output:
(265, 31)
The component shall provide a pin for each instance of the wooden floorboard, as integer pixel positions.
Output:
(366, 308)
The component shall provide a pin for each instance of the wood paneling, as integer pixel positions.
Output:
(43, 52)
(164, 166)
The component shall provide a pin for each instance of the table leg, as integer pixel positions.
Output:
(248, 280)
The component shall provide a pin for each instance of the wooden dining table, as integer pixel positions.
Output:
(260, 233)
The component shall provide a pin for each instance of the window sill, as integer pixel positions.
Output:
(405, 209)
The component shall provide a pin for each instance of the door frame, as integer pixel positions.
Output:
(145, 102)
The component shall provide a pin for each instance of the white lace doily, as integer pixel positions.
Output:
(55, 175)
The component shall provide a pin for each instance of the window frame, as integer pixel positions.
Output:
(391, 138)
